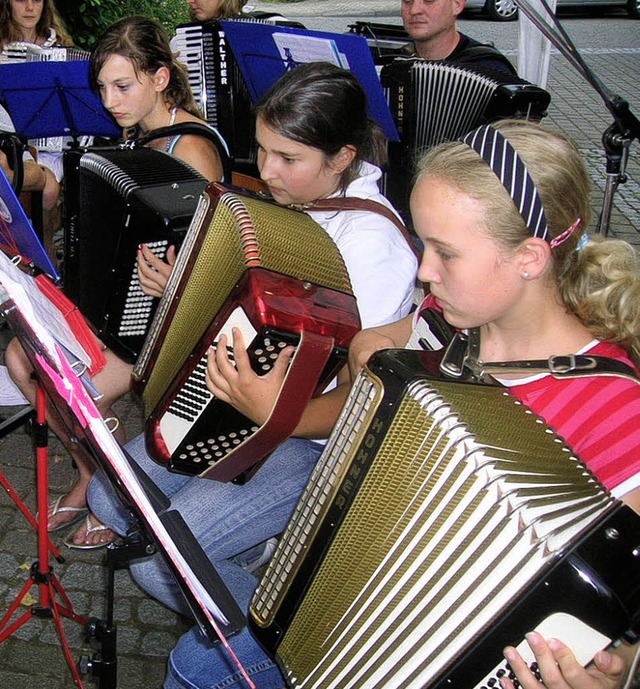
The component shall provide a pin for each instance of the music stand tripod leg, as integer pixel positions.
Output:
(6, 427)
(104, 663)
(49, 588)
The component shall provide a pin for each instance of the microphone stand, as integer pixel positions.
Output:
(617, 138)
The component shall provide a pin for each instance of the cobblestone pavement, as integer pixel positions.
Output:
(31, 656)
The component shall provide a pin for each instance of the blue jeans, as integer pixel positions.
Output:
(196, 663)
(227, 520)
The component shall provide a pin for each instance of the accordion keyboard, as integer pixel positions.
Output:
(192, 452)
(193, 397)
(191, 44)
(586, 642)
(138, 307)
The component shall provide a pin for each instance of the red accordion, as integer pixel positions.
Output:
(274, 273)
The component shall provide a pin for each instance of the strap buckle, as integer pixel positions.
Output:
(567, 363)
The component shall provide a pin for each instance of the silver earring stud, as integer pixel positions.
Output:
(526, 275)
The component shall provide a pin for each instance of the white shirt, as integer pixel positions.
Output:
(381, 265)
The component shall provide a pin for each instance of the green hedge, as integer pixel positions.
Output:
(87, 19)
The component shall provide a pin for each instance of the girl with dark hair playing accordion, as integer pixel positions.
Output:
(315, 141)
(145, 88)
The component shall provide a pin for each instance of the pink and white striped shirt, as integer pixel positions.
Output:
(598, 416)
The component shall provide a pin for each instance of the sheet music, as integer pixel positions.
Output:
(45, 319)
(74, 393)
(296, 49)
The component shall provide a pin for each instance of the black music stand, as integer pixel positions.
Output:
(618, 137)
(212, 604)
(54, 99)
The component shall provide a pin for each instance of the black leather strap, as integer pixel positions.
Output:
(570, 365)
(192, 129)
(13, 148)
(464, 349)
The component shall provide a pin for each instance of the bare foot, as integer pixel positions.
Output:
(90, 534)
(67, 509)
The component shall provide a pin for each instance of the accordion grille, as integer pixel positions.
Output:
(241, 233)
(126, 172)
(452, 102)
(451, 526)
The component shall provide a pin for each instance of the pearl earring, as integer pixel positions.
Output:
(526, 275)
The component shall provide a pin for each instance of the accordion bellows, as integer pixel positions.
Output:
(434, 508)
(435, 102)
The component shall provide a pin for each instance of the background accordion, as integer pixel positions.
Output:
(434, 102)
(115, 200)
(275, 274)
(218, 85)
(29, 52)
(443, 521)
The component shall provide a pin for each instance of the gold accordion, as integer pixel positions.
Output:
(274, 273)
(443, 521)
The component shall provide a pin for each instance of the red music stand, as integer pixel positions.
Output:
(42, 332)
(53, 602)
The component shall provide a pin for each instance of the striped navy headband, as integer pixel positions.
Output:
(502, 158)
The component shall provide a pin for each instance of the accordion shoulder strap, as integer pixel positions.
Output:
(193, 129)
(570, 366)
(354, 203)
(564, 366)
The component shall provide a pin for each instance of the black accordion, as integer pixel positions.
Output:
(443, 521)
(219, 87)
(275, 274)
(115, 200)
(434, 102)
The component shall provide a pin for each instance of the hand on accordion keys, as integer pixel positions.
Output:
(153, 272)
(231, 378)
(557, 668)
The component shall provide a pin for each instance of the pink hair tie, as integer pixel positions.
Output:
(556, 241)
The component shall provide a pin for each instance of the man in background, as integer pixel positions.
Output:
(431, 25)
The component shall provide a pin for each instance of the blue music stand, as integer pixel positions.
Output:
(17, 236)
(54, 99)
(264, 52)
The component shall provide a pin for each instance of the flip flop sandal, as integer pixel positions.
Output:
(70, 543)
(79, 513)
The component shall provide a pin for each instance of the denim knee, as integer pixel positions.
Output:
(196, 663)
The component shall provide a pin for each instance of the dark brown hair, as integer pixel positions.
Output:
(146, 45)
(321, 105)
